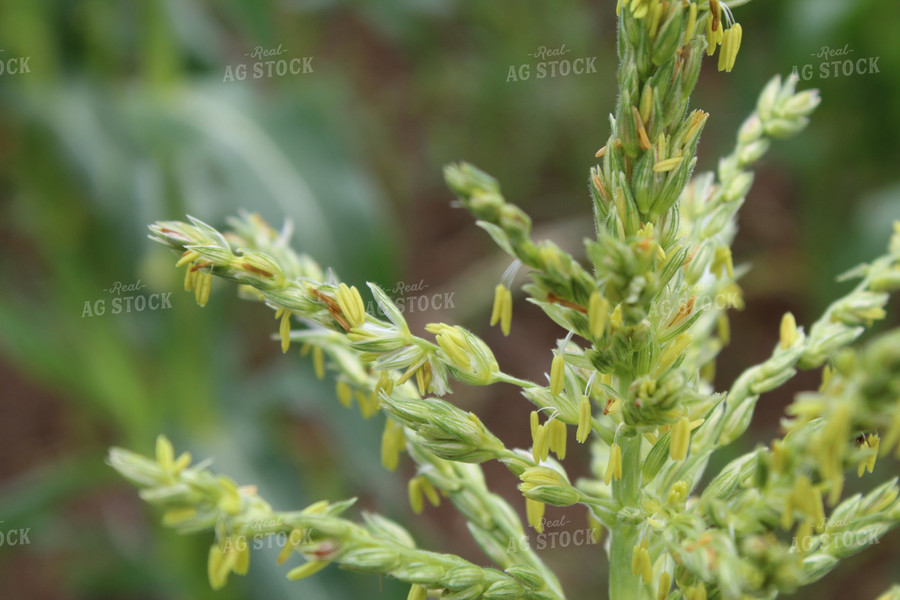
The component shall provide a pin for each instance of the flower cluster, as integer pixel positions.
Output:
(633, 373)
(195, 499)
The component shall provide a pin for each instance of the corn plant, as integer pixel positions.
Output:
(632, 376)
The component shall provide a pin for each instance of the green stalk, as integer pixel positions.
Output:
(622, 583)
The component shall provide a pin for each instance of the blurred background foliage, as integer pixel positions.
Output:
(127, 117)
